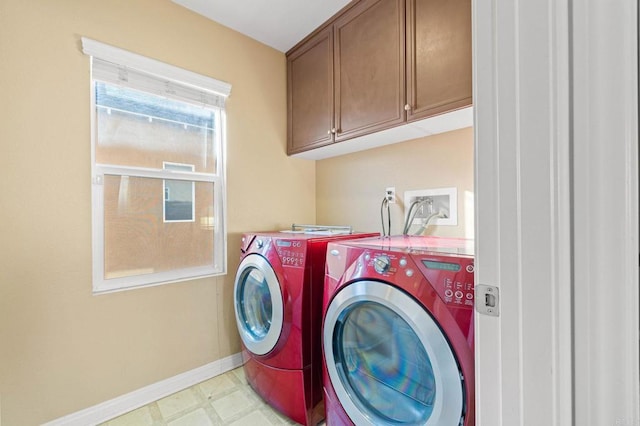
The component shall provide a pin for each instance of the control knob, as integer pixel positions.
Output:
(382, 263)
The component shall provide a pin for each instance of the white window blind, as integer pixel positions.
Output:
(117, 66)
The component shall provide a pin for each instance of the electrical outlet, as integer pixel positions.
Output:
(390, 194)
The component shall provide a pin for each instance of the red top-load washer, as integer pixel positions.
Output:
(398, 340)
(278, 307)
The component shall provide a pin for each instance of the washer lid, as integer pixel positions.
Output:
(258, 304)
(388, 361)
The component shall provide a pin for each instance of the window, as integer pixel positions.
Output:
(179, 196)
(158, 187)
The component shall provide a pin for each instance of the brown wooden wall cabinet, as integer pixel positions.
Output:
(376, 65)
(310, 93)
(438, 57)
(369, 68)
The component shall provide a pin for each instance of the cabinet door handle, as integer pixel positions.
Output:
(328, 132)
(333, 130)
(407, 107)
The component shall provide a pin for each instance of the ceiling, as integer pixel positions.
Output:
(277, 23)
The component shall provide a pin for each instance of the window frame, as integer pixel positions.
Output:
(214, 89)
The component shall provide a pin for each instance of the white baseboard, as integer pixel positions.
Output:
(123, 404)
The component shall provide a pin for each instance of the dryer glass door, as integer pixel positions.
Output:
(258, 304)
(388, 360)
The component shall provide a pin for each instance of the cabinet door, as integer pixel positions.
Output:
(438, 56)
(310, 93)
(369, 68)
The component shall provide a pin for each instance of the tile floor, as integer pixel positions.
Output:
(223, 400)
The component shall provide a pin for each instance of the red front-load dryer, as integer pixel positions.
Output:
(278, 307)
(398, 332)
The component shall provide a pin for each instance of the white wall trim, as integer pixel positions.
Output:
(123, 404)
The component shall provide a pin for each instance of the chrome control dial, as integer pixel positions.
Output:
(382, 263)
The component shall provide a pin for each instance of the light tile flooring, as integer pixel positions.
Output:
(223, 400)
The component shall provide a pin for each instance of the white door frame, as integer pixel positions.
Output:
(605, 222)
(555, 95)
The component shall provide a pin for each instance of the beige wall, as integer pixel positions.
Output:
(61, 348)
(350, 188)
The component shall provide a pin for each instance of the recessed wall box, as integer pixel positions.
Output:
(439, 200)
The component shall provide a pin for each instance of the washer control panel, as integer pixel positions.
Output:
(452, 277)
(291, 252)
